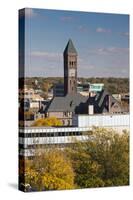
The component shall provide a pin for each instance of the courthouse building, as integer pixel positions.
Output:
(78, 113)
(72, 102)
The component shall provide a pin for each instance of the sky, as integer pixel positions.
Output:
(101, 40)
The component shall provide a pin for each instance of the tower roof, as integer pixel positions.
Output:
(70, 48)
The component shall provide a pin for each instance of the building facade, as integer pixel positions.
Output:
(97, 100)
(32, 137)
(78, 113)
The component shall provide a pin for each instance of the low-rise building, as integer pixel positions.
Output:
(30, 99)
(32, 137)
(65, 107)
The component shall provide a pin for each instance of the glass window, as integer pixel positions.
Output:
(63, 134)
(59, 134)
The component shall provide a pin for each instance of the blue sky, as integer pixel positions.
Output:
(101, 40)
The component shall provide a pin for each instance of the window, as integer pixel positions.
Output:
(52, 134)
(68, 122)
(63, 134)
(71, 103)
(59, 134)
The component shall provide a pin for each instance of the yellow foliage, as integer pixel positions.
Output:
(49, 171)
(101, 161)
(50, 121)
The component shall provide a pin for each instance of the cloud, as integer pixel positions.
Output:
(85, 68)
(103, 30)
(124, 71)
(47, 55)
(66, 18)
(114, 50)
(45, 70)
(109, 51)
(126, 34)
(82, 28)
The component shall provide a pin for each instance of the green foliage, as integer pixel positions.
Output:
(50, 121)
(101, 161)
(87, 171)
(113, 85)
(111, 151)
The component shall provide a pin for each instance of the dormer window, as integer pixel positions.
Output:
(71, 103)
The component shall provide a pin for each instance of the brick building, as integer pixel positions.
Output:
(64, 107)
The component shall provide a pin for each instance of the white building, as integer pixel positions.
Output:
(30, 137)
(29, 94)
(101, 120)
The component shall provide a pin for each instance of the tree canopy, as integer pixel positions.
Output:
(49, 170)
(113, 85)
(50, 121)
(103, 160)
(100, 161)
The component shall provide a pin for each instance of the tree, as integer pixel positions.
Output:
(49, 170)
(87, 171)
(28, 115)
(111, 151)
(103, 160)
(45, 87)
(50, 121)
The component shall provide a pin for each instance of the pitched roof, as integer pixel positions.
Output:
(78, 103)
(66, 103)
(70, 48)
(100, 98)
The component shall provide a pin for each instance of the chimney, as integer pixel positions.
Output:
(90, 109)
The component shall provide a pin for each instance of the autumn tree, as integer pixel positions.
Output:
(49, 170)
(111, 151)
(103, 160)
(50, 121)
(113, 85)
(87, 171)
(28, 115)
(45, 86)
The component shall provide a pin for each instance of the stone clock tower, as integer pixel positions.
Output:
(70, 69)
